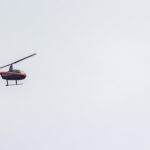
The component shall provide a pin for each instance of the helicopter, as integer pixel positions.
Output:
(14, 74)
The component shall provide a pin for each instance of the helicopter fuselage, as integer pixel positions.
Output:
(13, 75)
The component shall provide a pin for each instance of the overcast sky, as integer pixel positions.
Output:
(88, 87)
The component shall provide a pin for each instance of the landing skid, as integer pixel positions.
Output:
(14, 84)
(7, 84)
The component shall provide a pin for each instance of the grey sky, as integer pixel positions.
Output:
(88, 87)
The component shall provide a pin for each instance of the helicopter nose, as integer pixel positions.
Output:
(25, 76)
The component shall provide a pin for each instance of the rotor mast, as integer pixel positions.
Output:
(11, 68)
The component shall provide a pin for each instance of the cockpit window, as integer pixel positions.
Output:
(17, 71)
(22, 72)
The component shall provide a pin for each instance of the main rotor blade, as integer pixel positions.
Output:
(18, 61)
